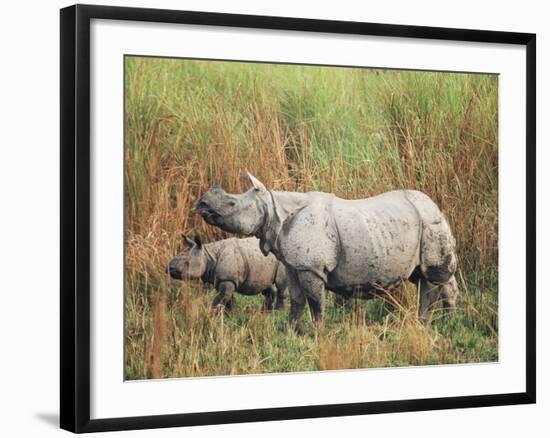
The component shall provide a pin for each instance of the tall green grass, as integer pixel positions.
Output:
(353, 132)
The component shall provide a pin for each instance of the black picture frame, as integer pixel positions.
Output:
(75, 217)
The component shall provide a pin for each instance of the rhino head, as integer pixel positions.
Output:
(191, 264)
(242, 213)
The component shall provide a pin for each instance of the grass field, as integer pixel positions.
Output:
(353, 132)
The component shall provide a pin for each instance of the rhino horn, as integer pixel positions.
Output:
(215, 185)
(258, 186)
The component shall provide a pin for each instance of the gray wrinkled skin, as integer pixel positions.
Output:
(232, 265)
(351, 247)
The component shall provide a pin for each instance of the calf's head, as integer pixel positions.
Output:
(242, 213)
(191, 264)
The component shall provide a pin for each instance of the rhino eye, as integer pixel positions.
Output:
(231, 203)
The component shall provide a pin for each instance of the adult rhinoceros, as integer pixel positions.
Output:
(351, 247)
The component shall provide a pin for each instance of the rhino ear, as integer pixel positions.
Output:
(198, 240)
(189, 241)
(215, 185)
(258, 186)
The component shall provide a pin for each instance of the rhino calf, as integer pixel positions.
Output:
(232, 265)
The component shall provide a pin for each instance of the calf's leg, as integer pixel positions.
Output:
(225, 295)
(269, 296)
(281, 298)
(281, 287)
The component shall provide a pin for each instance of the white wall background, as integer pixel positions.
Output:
(29, 246)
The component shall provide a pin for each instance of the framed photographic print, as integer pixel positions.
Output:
(269, 218)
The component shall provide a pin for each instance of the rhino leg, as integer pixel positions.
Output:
(269, 297)
(225, 296)
(313, 287)
(297, 303)
(429, 296)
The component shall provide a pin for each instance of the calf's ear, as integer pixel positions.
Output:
(198, 240)
(189, 241)
(258, 186)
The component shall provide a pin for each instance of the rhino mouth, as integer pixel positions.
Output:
(210, 217)
(173, 270)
